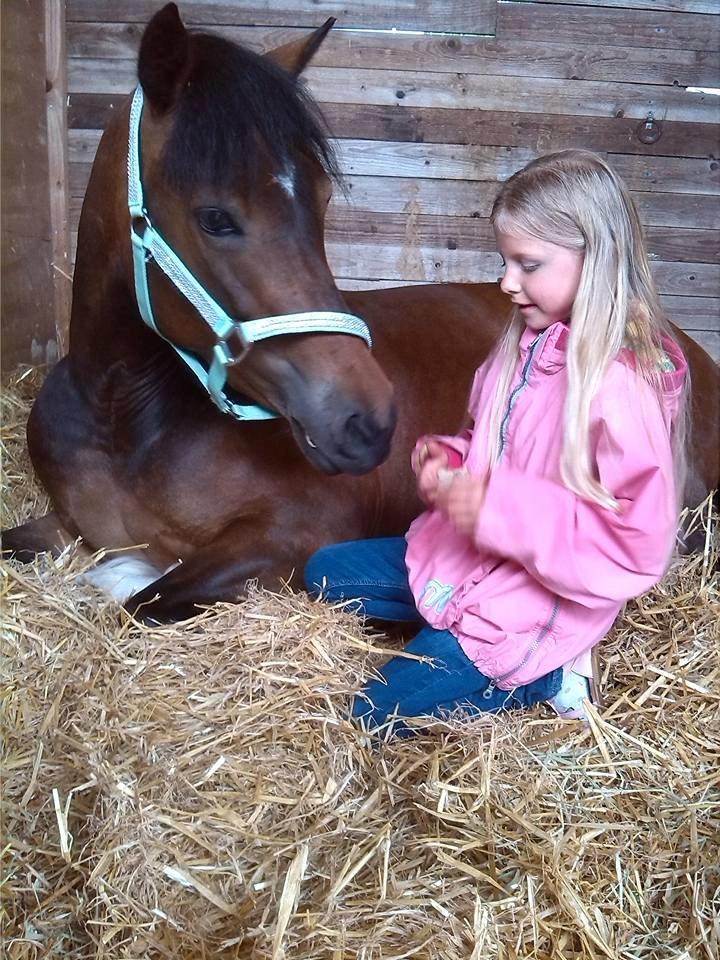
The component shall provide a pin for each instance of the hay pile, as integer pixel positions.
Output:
(195, 791)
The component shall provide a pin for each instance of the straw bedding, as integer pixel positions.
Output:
(195, 791)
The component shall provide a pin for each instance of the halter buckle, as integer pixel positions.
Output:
(226, 355)
(237, 343)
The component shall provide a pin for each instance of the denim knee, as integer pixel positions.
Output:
(316, 571)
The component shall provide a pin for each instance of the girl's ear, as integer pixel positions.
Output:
(296, 55)
(163, 58)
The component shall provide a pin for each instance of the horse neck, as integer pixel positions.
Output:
(105, 325)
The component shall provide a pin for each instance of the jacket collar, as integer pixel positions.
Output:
(549, 354)
(551, 351)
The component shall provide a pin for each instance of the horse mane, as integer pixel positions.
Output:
(234, 102)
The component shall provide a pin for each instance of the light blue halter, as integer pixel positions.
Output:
(149, 245)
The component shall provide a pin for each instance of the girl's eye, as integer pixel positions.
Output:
(529, 267)
(216, 222)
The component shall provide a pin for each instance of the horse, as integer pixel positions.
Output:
(219, 411)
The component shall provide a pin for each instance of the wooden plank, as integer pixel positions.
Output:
(28, 322)
(460, 198)
(82, 145)
(399, 195)
(413, 224)
(678, 6)
(56, 106)
(385, 159)
(426, 89)
(693, 313)
(440, 54)
(583, 25)
(346, 283)
(28, 329)
(78, 177)
(511, 94)
(409, 169)
(468, 233)
(406, 261)
(459, 16)
(436, 125)
(683, 244)
(93, 111)
(381, 158)
(678, 209)
(444, 198)
(438, 264)
(687, 279)
(668, 174)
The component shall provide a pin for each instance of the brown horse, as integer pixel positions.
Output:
(236, 176)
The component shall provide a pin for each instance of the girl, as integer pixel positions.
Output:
(561, 501)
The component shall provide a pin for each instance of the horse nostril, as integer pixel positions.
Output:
(367, 430)
(361, 427)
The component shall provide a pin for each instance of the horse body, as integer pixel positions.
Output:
(131, 451)
(141, 456)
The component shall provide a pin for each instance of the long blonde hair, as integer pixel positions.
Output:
(574, 199)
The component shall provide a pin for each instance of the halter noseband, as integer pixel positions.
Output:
(149, 245)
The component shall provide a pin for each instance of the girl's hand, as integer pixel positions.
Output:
(427, 463)
(462, 500)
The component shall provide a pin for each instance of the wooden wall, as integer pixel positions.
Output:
(428, 123)
(35, 243)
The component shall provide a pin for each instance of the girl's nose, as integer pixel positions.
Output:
(508, 283)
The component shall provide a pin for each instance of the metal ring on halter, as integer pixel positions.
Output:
(226, 355)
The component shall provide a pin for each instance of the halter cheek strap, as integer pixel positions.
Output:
(149, 245)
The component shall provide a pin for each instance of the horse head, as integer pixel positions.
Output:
(236, 176)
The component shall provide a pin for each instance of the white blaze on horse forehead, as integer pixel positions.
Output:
(286, 178)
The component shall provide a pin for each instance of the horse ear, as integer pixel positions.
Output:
(163, 57)
(296, 55)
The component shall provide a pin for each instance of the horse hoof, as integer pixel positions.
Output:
(10, 549)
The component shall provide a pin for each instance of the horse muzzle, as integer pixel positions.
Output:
(344, 438)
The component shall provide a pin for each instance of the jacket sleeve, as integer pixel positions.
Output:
(456, 446)
(575, 547)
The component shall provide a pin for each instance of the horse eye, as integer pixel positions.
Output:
(215, 221)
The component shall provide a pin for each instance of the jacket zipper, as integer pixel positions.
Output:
(546, 628)
(543, 632)
(514, 394)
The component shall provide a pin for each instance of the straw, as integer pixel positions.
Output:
(197, 791)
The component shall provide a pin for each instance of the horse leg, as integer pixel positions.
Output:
(43, 534)
(219, 572)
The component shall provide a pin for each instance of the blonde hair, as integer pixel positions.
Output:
(574, 199)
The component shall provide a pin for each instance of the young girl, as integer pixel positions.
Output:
(561, 501)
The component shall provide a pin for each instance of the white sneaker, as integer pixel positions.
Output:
(569, 701)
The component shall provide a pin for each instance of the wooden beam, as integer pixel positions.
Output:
(58, 183)
(484, 56)
(458, 16)
(28, 321)
(415, 89)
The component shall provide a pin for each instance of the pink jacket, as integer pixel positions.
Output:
(547, 572)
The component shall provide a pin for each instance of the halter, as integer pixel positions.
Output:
(149, 245)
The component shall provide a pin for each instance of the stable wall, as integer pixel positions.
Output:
(36, 266)
(428, 123)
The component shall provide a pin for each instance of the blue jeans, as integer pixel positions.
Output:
(372, 573)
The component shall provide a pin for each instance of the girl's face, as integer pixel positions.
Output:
(541, 278)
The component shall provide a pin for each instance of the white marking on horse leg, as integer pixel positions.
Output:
(122, 576)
